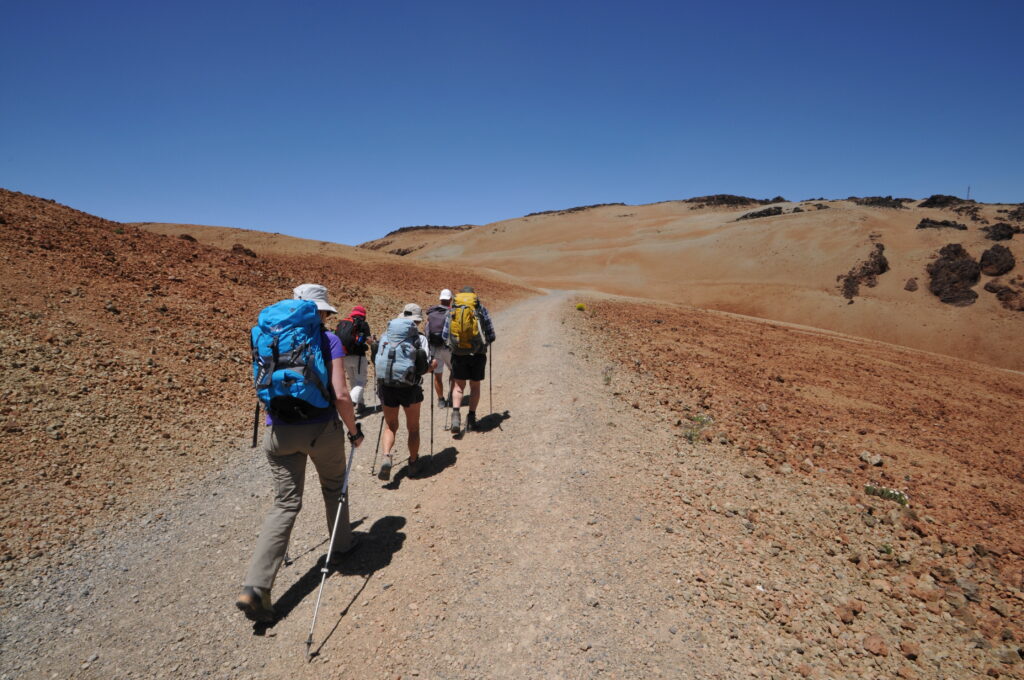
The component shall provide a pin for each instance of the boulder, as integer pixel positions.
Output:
(1000, 231)
(927, 223)
(997, 260)
(953, 274)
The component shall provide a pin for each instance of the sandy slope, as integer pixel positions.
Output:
(782, 268)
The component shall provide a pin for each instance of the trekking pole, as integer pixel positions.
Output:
(431, 424)
(255, 424)
(380, 431)
(324, 570)
(490, 380)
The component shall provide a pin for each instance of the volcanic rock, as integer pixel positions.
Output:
(1011, 294)
(997, 260)
(866, 273)
(911, 284)
(881, 202)
(239, 249)
(942, 201)
(953, 275)
(927, 223)
(767, 212)
(1000, 231)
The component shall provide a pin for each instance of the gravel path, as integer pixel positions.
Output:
(575, 537)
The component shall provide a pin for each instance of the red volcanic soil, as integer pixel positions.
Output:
(947, 432)
(127, 361)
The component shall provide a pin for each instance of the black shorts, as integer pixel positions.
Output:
(393, 397)
(469, 366)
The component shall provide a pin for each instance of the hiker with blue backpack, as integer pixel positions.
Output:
(468, 331)
(403, 356)
(300, 382)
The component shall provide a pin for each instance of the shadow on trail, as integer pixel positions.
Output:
(489, 422)
(374, 552)
(430, 465)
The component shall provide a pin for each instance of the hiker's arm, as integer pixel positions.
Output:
(342, 400)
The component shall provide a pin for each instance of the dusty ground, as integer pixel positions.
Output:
(782, 267)
(576, 537)
(124, 353)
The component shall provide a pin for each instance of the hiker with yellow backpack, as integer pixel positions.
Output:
(468, 331)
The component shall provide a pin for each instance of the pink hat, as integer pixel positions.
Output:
(358, 310)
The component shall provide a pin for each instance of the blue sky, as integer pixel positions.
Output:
(341, 120)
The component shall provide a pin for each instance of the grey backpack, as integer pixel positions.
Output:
(395, 362)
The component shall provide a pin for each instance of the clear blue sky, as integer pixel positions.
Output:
(343, 120)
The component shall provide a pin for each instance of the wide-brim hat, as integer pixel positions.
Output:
(314, 292)
(412, 311)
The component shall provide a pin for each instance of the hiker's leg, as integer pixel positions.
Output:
(390, 428)
(289, 474)
(439, 383)
(328, 456)
(460, 386)
(474, 397)
(355, 376)
(412, 422)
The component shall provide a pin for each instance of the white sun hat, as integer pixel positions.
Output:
(314, 292)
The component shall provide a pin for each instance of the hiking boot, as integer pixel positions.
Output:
(415, 466)
(456, 420)
(441, 403)
(471, 420)
(384, 474)
(255, 604)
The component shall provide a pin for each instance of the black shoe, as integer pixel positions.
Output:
(414, 467)
(471, 420)
(255, 604)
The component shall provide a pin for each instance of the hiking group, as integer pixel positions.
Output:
(310, 381)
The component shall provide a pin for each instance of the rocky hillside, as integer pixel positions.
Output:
(861, 266)
(126, 355)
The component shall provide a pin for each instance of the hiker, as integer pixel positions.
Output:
(403, 356)
(354, 333)
(300, 429)
(436, 316)
(467, 332)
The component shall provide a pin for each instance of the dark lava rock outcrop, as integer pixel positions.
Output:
(866, 273)
(767, 212)
(1010, 293)
(1000, 231)
(881, 202)
(927, 223)
(239, 249)
(942, 201)
(997, 260)
(953, 274)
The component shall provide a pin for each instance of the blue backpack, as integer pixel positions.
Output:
(395, 363)
(289, 369)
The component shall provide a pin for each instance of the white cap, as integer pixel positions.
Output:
(314, 292)
(446, 294)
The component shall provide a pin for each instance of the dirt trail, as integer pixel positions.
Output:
(540, 547)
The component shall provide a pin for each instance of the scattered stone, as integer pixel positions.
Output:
(872, 459)
(1010, 294)
(876, 645)
(911, 284)
(910, 649)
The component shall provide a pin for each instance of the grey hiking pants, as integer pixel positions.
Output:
(286, 448)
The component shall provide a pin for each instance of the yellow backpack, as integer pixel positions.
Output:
(464, 335)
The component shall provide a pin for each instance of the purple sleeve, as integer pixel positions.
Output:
(337, 350)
